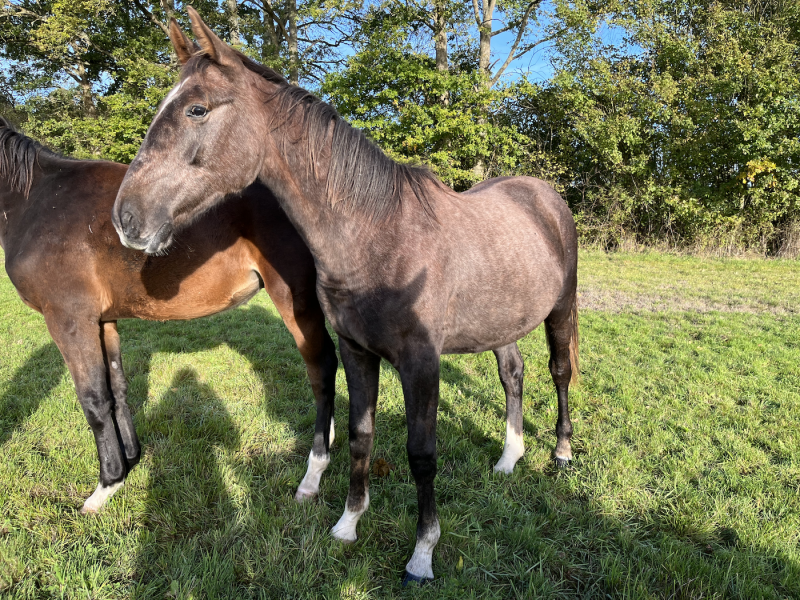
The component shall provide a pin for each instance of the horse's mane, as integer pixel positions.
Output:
(361, 177)
(18, 155)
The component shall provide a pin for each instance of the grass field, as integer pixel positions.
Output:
(685, 484)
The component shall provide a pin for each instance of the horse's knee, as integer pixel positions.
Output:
(560, 370)
(422, 461)
(96, 409)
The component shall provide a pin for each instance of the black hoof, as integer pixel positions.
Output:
(562, 463)
(409, 578)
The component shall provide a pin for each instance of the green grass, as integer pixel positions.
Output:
(685, 483)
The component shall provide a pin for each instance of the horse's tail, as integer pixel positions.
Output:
(574, 352)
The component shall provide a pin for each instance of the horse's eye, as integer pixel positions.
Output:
(195, 110)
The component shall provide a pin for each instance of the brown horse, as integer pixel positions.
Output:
(65, 260)
(406, 268)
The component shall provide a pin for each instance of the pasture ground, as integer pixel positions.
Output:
(685, 483)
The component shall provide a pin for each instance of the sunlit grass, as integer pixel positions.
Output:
(685, 482)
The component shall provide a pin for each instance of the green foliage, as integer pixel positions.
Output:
(416, 112)
(690, 132)
(120, 121)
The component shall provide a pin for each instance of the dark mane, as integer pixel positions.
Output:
(18, 155)
(361, 176)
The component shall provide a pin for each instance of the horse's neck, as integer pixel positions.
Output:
(14, 202)
(330, 235)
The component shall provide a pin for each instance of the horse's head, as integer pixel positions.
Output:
(202, 145)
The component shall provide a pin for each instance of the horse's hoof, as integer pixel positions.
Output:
(409, 578)
(89, 510)
(301, 497)
(345, 541)
(562, 463)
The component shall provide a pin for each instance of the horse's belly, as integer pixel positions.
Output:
(488, 334)
(199, 299)
(489, 318)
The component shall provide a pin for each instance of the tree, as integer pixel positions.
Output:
(416, 110)
(688, 132)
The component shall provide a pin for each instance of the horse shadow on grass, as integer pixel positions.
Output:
(189, 515)
(29, 385)
(252, 332)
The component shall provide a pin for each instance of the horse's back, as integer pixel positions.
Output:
(512, 256)
(547, 209)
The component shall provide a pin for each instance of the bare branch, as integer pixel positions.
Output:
(19, 11)
(477, 11)
(523, 25)
(151, 16)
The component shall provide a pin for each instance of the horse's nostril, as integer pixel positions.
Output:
(130, 225)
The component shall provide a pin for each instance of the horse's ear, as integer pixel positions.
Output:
(210, 44)
(183, 47)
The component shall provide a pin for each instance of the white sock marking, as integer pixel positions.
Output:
(309, 487)
(345, 529)
(512, 451)
(421, 563)
(331, 435)
(100, 496)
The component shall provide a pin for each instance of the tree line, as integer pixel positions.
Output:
(660, 122)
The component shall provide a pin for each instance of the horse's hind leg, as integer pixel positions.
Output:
(561, 328)
(511, 369)
(362, 369)
(78, 338)
(304, 319)
(321, 365)
(119, 388)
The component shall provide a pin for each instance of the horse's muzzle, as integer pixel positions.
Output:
(129, 228)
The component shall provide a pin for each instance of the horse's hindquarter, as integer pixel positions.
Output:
(509, 262)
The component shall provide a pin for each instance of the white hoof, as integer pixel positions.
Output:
(345, 529)
(420, 567)
(309, 487)
(505, 465)
(99, 498)
(512, 451)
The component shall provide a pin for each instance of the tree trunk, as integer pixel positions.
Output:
(294, 60)
(87, 102)
(272, 31)
(440, 36)
(440, 43)
(485, 40)
(484, 66)
(233, 15)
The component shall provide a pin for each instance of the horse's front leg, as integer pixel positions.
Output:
(112, 354)
(362, 369)
(419, 375)
(78, 337)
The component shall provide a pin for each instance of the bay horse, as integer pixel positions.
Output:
(65, 259)
(407, 269)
